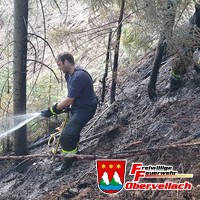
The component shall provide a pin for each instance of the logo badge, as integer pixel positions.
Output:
(111, 175)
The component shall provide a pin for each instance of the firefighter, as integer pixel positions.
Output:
(186, 56)
(82, 101)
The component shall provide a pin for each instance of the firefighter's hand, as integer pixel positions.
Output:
(50, 111)
(46, 113)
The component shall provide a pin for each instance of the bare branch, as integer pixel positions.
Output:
(67, 8)
(58, 6)
(45, 66)
(5, 47)
(33, 34)
(120, 155)
(6, 64)
(35, 54)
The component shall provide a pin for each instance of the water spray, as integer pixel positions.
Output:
(13, 123)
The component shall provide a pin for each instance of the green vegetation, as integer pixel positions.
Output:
(135, 41)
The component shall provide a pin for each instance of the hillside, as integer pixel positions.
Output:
(156, 127)
(163, 132)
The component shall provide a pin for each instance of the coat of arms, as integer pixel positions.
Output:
(111, 175)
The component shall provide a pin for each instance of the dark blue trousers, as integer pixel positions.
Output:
(79, 116)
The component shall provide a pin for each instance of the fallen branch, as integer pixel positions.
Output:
(131, 144)
(117, 155)
(150, 150)
(189, 138)
(79, 157)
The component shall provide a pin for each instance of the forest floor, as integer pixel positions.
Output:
(156, 127)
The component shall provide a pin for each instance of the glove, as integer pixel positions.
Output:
(50, 111)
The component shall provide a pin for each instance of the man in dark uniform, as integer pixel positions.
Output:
(82, 100)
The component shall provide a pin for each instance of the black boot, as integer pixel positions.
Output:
(175, 84)
(67, 163)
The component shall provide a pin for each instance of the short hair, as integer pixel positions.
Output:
(65, 56)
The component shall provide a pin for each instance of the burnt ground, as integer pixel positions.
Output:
(143, 124)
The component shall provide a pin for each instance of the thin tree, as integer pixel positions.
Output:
(116, 54)
(165, 35)
(19, 72)
(106, 67)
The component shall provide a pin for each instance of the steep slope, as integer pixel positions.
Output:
(145, 125)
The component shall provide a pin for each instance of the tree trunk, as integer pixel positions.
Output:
(116, 54)
(19, 72)
(106, 68)
(165, 36)
(160, 51)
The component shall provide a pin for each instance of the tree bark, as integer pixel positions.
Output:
(19, 72)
